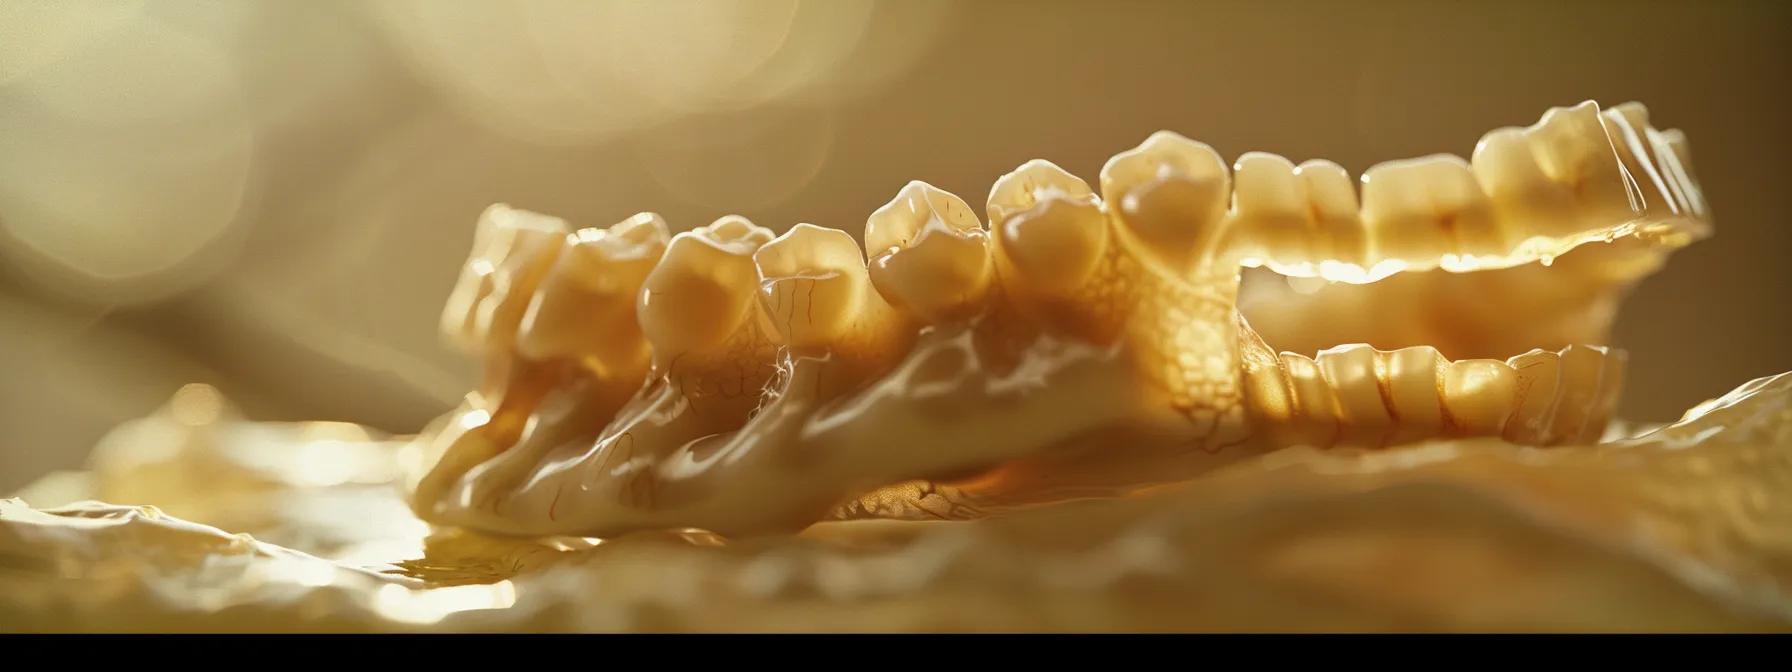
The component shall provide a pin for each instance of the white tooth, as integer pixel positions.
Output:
(1270, 212)
(928, 253)
(1170, 196)
(1573, 149)
(703, 290)
(512, 249)
(1331, 196)
(585, 307)
(1049, 231)
(1428, 209)
(812, 284)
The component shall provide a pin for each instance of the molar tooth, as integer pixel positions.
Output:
(1573, 149)
(1270, 211)
(812, 284)
(928, 253)
(1581, 371)
(1423, 210)
(1048, 229)
(1170, 193)
(1525, 198)
(1411, 376)
(1539, 383)
(1350, 372)
(585, 307)
(512, 249)
(1331, 197)
(1479, 395)
(702, 290)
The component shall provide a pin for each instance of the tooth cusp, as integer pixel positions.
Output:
(929, 254)
(703, 290)
(812, 284)
(1049, 231)
(585, 306)
(1171, 195)
(512, 250)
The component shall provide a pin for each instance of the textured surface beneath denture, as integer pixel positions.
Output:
(1683, 528)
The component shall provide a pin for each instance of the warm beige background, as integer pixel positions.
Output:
(273, 197)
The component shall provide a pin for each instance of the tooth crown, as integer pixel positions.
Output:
(1170, 196)
(812, 285)
(584, 308)
(703, 291)
(928, 253)
(512, 250)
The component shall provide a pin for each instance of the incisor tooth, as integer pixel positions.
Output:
(703, 289)
(1270, 212)
(1048, 227)
(1331, 196)
(1411, 375)
(1539, 381)
(1479, 394)
(812, 284)
(1363, 416)
(1427, 209)
(1170, 196)
(585, 307)
(928, 253)
(512, 250)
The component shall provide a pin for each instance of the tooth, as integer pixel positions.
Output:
(1677, 161)
(1350, 372)
(512, 249)
(1331, 195)
(1170, 193)
(1479, 394)
(1421, 210)
(1573, 150)
(585, 307)
(1048, 229)
(1269, 211)
(1411, 376)
(1611, 388)
(929, 254)
(1627, 128)
(1581, 369)
(702, 291)
(1317, 421)
(1539, 377)
(1525, 198)
(812, 284)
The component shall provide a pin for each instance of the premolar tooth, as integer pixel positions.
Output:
(1048, 229)
(1350, 372)
(585, 307)
(1539, 383)
(1479, 394)
(703, 289)
(812, 284)
(1331, 196)
(512, 250)
(1270, 211)
(1170, 194)
(1421, 210)
(1525, 198)
(1411, 376)
(928, 253)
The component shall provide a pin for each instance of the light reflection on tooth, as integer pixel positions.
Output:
(1581, 370)
(812, 284)
(1351, 373)
(1479, 395)
(1170, 195)
(928, 253)
(1332, 198)
(1627, 127)
(1317, 421)
(1411, 375)
(1605, 402)
(1428, 209)
(512, 249)
(1049, 231)
(1270, 212)
(1573, 149)
(1539, 379)
(585, 307)
(703, 289)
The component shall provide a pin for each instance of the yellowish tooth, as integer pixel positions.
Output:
(812, 285)
(1270, 212)
(929, 254)
(1170, 196)
(1316, 424)
(1337, 219)
(1049, 231)
(1479, 395)
(1611, 391)
(1627, 127)
(1428, 209)
(703, 290)
(585, 307)
(1582, 367)
(1526, 200)
(1362, 413)
(1677, 161)
(1573, 149)
(1539, 379)
(512, 250)
(1411, 379)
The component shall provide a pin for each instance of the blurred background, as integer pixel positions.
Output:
(274, 197)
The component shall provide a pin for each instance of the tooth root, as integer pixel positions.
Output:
(585, 307)
(1573, 149)
(1479, 395)
(1611, 389)
(1411, 378)
(929, 255)
(1270, 213)
(1170, 196)
(812, 285)
(1581, 371)
(1420, 210)
(1049, 231)
(1316, 422)
(1539, 379)
(1337, 219)
(703, 290)
(1363, 415)
(512, 250)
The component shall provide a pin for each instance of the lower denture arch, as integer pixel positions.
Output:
(1189, 315)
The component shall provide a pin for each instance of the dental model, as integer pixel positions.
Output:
(1081, 345)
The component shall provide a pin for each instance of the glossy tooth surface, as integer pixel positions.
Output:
(1049, 231)
(703, 290)
(585, 307)
(1411, 375)
(1611, 391)
(1270, 212)
(1363, 416)
(1337, 218)
(1573, 149)
(1479, 395)
(1525, 198)
(1677, 162)
(512, 250)
(1316, 423)
(1582, 367)
(929, 254)
(1170, 196)
(1539, 381)
(812, 284)
(1427, 209)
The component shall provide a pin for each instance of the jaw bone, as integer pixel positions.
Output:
(1080, 346)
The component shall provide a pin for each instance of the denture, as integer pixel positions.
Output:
(1065, 342)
